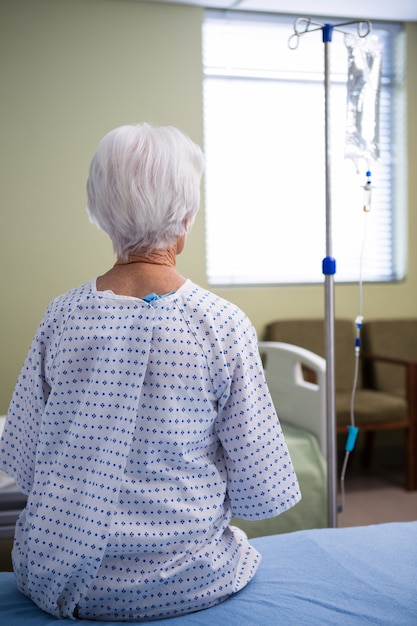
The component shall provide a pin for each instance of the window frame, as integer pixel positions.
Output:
(398, 205)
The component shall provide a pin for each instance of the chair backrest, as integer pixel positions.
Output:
(298, 402)
(395, 338)
(310, 334)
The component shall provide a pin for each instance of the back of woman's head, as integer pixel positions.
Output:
(144, 187)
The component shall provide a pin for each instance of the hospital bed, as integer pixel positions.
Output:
(323, 577)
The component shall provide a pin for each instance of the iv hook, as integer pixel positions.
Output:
(302, 26)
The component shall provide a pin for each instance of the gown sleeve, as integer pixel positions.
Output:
(20, 436)
(261, 479)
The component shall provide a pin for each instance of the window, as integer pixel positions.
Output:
(264, 143)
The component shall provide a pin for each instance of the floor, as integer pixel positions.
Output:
(376, 495)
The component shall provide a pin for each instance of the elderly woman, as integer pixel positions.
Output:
(141, 421)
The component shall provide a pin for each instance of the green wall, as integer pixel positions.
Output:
(70, 71)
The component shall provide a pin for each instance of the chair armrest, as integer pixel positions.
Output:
(410, 378)
(387, 359)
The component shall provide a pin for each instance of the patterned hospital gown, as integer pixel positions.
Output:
(138, 430)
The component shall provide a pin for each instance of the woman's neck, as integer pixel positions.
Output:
(142, 274)
(166, 257)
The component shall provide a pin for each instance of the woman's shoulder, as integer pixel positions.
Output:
(62, 306)
(208, 306)
(72, 297)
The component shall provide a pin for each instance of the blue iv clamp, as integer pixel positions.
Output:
(351, 438)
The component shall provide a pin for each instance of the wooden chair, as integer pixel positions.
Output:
(375, 409)
(389, 354)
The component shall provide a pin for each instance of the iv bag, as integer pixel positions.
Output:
(363, 88)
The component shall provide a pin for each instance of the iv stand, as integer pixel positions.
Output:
(329, 269)
(329, 263)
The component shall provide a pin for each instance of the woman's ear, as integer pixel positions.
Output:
(180, 244)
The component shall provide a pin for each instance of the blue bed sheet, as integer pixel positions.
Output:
(350, 576)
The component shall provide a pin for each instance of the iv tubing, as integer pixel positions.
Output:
(352, 428)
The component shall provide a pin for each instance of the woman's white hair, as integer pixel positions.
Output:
(143, 187)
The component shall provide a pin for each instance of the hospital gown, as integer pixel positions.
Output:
(138, 429)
